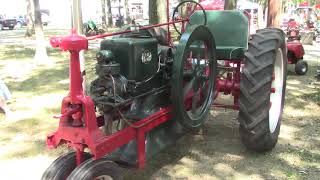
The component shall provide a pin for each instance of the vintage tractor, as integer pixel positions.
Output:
(149, 91)
(295, 48)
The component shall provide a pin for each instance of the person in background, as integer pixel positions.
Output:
(5, 95)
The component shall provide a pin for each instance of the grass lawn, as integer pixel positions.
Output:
(216, 153)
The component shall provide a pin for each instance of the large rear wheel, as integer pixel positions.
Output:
(194, 72)
(262, 90)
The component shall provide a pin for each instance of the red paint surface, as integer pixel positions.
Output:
(297, 49)
(212, 4)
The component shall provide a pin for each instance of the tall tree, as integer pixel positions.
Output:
(274, 13)
(103, 17)
(41, 56)
(126, 7)
(153, 14)
(157, 11)
(30, 18)
(110, 22)
(230, 4)
(162, 10)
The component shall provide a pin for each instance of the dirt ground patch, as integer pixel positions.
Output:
(214, 153)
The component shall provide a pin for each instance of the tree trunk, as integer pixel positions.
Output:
(153, 14)
(126, 7)
(162, 10)
(119, 8)
(30, 21)
(230, 4)
(110, 22)
(104, 17)
(41, 56)
(157, 11)
(274, 13)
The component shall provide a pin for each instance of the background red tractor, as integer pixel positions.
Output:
(294, 46)
(149, 91)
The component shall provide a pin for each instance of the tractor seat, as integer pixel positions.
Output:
(230, 30)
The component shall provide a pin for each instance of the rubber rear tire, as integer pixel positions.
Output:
(256, 129)
(301, 68)
(92, 169)
(61, 168)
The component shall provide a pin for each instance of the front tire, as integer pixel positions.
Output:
(96, 169)
(301, 68)
(62, 167)
(262, 90)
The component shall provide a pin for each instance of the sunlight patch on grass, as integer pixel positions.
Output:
(17, 69)
(292, 111)
(225, 171)
(287, 132)
(26, 168)
(64, 81)
(293, 82)
(291, 159)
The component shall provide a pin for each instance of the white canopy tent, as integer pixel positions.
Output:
(256, 12)
(243, 4)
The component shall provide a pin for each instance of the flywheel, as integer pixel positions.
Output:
(194, 74)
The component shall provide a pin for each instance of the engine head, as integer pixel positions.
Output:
(127, 68)
(137, 57)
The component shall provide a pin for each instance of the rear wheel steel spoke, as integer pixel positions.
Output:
(194, 104)
(188, 87)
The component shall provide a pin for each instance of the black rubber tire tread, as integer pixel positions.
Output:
(62, 167)
(255, 89)
(94, 168)
(192, 34)
(299, 66)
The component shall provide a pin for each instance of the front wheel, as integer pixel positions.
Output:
(301, 67)
(62, 167)
(262, 90)
(101, 169)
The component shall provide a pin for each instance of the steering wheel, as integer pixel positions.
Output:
(183, 11)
